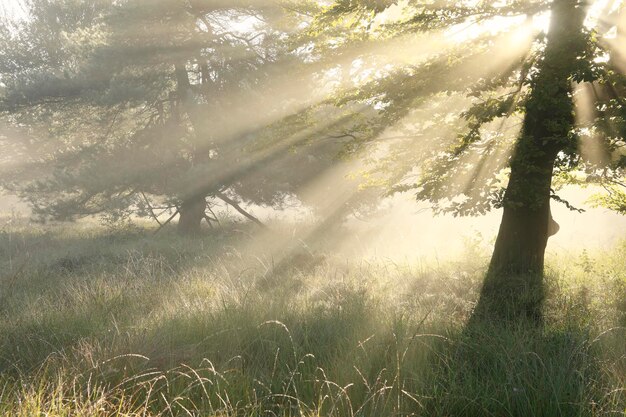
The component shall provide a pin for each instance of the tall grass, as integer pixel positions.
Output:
(102, 323)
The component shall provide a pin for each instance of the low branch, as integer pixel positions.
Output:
(344, 135)
(237, 207)
(167, 221)
(209, 219)
(151, 209)
(208, 206)
(567, 204)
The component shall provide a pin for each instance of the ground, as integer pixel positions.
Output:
(97, 321)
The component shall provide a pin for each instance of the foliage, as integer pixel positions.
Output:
(443, 120)
(136, 104)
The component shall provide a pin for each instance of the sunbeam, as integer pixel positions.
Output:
(315, 208)
(592, 146)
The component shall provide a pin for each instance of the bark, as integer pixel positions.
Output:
(191, 216)
(553, 227)
(513, 287)
(192, 209)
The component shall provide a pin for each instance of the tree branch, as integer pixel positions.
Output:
(237, 207)
(151, 209)
(167, 221)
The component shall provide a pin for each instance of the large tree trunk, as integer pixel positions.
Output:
(191, 216)
(513, 287)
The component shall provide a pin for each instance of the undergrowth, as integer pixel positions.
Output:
(123, 323)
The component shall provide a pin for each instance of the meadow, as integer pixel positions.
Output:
(122, 322)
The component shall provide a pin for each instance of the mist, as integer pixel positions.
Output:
(312, 208)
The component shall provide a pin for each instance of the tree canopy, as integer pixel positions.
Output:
(449, 83)
(137, 103)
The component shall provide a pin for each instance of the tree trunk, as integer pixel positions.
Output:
(192, 209)
(191, 215)
(513, 287)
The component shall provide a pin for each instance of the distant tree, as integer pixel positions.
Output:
(471, 110)
(134, 105)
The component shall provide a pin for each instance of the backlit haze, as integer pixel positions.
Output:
(405, 228)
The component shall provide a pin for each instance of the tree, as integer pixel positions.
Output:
(141, 103)
(548, 122)
(446, 107)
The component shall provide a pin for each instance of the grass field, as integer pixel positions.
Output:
(95, 322)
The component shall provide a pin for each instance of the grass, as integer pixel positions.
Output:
(95, 322)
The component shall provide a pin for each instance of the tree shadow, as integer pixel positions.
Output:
(513, 300)
(506, 364)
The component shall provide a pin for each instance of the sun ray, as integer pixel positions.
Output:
(591, 146)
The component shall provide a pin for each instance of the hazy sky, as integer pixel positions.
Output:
(11, 8)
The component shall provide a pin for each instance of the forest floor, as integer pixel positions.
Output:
(98, 322)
